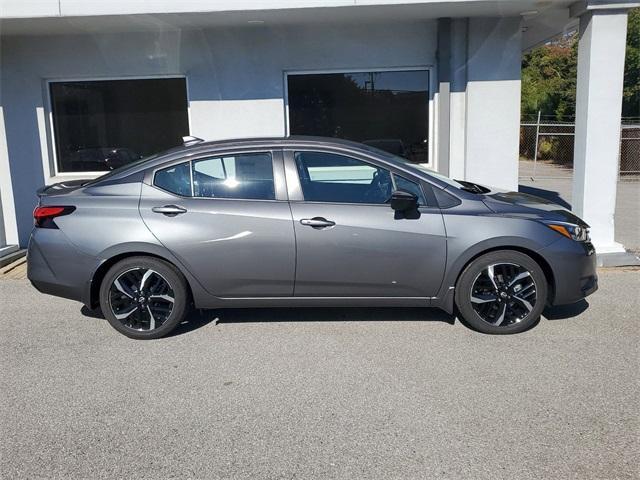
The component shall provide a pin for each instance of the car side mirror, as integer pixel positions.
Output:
(402, 201)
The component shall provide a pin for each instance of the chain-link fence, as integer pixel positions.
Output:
(630, 152)
(546, 149)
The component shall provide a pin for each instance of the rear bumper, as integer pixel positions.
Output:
(56, 267)
(574, 270)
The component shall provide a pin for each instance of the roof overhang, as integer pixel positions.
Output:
(44, 17)
(542, 20)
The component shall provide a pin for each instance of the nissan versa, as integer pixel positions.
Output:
(302, 222)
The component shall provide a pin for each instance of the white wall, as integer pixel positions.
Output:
(8, 225)
(235, 79)
(493, 102)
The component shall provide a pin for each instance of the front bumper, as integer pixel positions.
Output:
(574, 270)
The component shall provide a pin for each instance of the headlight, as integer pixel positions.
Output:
(569, 230)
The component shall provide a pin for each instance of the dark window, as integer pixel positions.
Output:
(247, 176)
(102, 125)
(175, 179)
(327, 177)
(409, 186)
(387, 110)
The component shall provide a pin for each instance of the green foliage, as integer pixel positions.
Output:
(549, 80)
(549, 76)
(631, 93)
(545, 149)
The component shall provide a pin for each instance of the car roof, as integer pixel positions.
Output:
(292, 140)
(282, 142)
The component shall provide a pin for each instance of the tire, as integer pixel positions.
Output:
(155, 312)
(501, 292)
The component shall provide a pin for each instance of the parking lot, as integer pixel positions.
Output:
(321, 393)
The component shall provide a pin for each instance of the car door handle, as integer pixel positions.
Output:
(169, 210)
(317, 222)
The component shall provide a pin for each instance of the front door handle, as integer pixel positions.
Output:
(169, 210)
(317, 222)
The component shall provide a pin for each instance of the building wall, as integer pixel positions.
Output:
(235, 79)
(236, 88)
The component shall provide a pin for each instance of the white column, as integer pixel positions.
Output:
(493, 101)
(457, 98)
(9, 227)
(601, 53)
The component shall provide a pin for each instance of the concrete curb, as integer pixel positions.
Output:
(11, 257)
(622, 259)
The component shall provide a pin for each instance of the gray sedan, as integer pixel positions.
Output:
(302, 222)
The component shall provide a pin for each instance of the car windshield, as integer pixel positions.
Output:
(417, 166)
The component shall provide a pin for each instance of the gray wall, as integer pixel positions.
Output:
(234, 76)
(236, 87)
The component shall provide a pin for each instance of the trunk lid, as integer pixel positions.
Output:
(61, 188)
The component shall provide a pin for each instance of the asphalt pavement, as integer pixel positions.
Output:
(321, 393)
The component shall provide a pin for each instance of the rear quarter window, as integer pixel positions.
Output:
(174, 179)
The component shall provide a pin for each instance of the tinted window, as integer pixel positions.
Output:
(247, 176)
(327, 177)
(388, 110)
(411, 187)
(103, 125)
(175, 179)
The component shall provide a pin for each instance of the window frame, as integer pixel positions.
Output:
(279, 183)
(431, 104)
(294, 184)
(50, 159)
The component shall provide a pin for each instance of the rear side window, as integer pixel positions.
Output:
(242, 176)
(175, 179)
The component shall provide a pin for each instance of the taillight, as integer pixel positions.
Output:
(44, 216)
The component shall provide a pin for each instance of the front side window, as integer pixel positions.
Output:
(328, 177)
(242, 176)
(409, 186)
(102, 125)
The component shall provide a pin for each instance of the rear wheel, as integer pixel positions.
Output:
(144, 297)
(502, 292)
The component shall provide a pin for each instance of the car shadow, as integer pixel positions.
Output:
(565, 312)
(199, 318)
(92, 313)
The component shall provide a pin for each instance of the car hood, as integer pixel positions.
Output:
(528, 206)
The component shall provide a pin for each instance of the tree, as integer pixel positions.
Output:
(631, 92)
(549, 76)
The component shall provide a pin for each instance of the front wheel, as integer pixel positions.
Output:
(144, 297)
(501, 292)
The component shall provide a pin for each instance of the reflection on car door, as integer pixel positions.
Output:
(350, 243)
(227, 219)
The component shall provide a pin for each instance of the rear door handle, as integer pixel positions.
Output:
(317, 222)
(169, 210)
